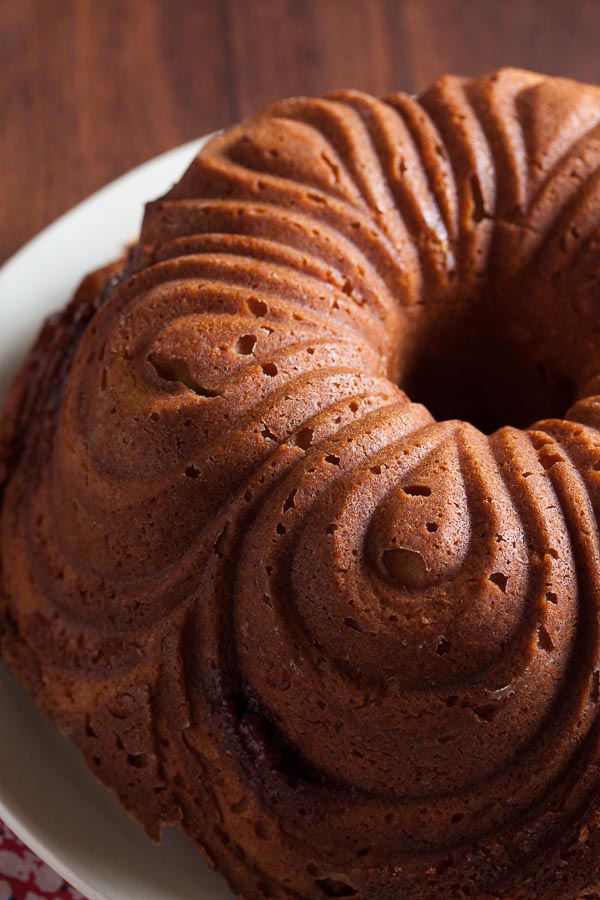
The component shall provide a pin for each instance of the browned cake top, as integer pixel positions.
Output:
(349, 641)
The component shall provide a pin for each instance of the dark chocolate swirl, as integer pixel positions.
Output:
(350, 644)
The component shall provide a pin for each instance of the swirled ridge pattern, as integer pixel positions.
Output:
(350, 649)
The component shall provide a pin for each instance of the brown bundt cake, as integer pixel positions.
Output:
(350, 642)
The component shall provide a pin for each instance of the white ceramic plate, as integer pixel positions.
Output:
(48, 796)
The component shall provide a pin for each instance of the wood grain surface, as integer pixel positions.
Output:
(90, 88)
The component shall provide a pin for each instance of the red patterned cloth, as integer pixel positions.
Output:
(25, 877)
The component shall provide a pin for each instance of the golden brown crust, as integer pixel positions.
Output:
(352, 649)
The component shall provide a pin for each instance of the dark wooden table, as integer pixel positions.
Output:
(90, 88)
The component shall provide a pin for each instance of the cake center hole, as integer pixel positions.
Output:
(486, 372)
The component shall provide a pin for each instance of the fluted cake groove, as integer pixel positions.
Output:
(350, 647)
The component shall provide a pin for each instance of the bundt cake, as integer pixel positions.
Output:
(300, 500)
